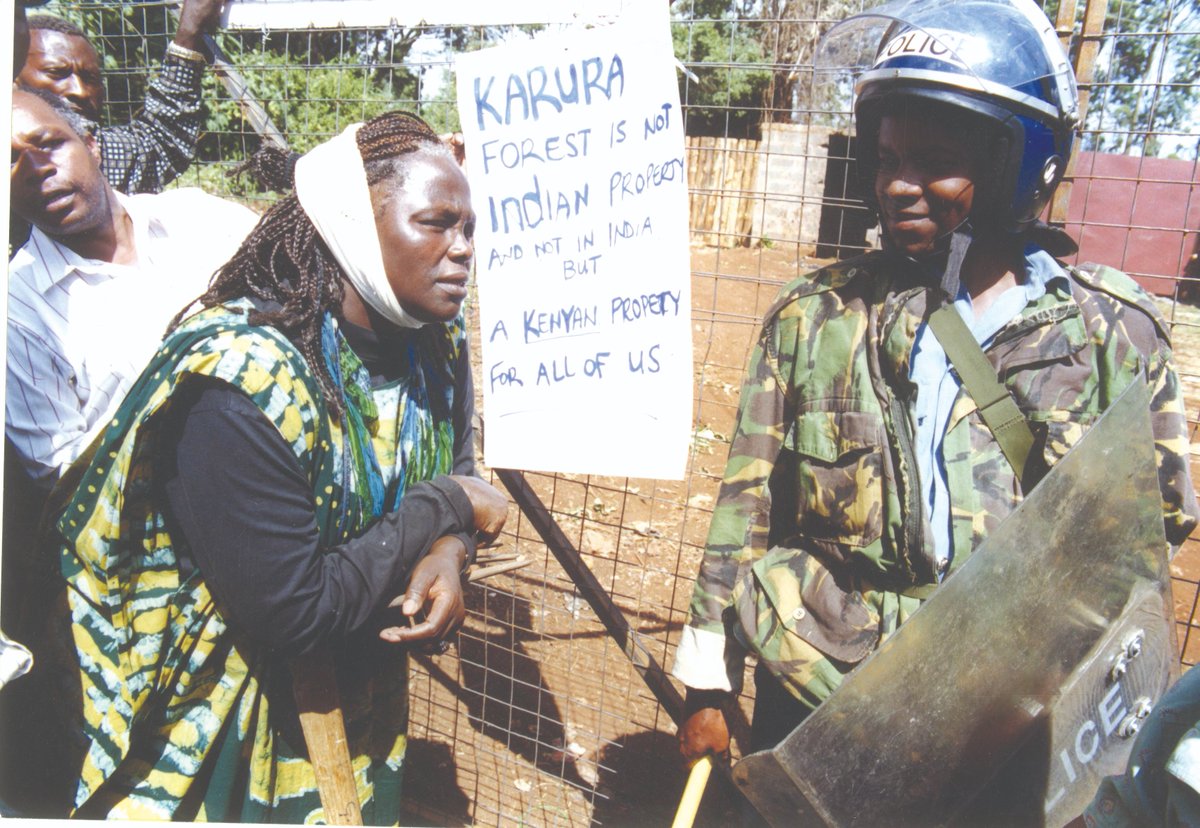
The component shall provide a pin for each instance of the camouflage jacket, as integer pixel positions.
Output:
(818, 547)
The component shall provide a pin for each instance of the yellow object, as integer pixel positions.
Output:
(689, 803)
(317, 702)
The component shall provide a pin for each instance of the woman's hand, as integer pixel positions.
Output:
(491, 507)
(435, 586)
(704, 729)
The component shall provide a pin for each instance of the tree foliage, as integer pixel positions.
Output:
(311, 98)
(1143, 100)
(750, 62)
(795, 27)
(312, 83)
(753, 61)
(725, 94)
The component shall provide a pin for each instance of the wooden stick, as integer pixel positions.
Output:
(500, 556)
(317, 701)
(693, 791)
(479, 573)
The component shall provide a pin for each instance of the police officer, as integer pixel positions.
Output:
(861, 473)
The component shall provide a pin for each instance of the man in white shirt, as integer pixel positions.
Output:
(93, 289)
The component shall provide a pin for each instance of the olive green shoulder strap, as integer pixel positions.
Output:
(996, 405)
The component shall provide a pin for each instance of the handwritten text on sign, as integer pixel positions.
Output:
(576, 158)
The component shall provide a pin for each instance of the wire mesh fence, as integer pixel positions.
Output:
(539, 717)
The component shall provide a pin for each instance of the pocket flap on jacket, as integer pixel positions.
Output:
(810, 604)
(827, 435)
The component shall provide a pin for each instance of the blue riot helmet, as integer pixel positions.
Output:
(996, 62)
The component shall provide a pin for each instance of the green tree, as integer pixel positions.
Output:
(1144, 99)
(792, 29)
(724, 94)
(753, 60)
(310, 99)
(311, 82)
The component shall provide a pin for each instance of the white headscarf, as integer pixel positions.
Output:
(331, 185)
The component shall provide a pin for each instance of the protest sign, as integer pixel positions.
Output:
(575, 155)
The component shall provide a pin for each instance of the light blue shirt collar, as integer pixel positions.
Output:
(938, 386)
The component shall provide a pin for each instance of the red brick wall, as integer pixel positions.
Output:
(1141, 215)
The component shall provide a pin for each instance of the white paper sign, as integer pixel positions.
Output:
(575, 154)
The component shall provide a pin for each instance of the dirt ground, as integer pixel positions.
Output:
(538, 717)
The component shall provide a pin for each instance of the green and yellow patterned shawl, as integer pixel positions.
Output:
(186, 717)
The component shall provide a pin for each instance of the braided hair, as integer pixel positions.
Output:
(271, 166)
(285, 264)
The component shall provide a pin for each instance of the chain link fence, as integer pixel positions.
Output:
(539, 717)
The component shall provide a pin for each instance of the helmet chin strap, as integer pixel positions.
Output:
(960, 243)
(944, 266)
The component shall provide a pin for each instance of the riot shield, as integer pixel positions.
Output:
(1021, 681)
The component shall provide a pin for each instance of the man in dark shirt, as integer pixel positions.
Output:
(159, 144)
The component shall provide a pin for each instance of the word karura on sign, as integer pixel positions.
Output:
(526, 96)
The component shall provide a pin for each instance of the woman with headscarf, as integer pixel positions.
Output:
(297, 455)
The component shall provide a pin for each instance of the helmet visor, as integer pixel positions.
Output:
(1004, 50)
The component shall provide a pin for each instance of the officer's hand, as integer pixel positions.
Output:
(435, 587)
(197, 18)
(704, 731)
(491, 507)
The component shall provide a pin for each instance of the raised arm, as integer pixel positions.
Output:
(150, 151)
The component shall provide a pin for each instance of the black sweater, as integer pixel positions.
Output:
(244, 508)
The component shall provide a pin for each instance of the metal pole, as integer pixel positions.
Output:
(235, 85)
(593, 592)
